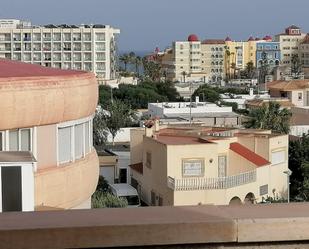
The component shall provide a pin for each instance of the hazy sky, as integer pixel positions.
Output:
(146, 24)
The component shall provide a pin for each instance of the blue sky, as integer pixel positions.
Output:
(146, 24)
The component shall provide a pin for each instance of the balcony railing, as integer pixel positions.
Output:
(187, 184)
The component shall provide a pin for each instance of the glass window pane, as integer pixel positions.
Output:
(13, 137)
(64, 144)
(25, 140)
(87, 137)
(91, 134)
(79, 141)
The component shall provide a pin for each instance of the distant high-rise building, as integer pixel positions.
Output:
(83, 47)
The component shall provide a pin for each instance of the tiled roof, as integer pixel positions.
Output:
(261, 102)
(138, 167)
(10, 68)
(248, 154)
(288, 85)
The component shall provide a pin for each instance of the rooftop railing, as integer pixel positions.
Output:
(198, 183)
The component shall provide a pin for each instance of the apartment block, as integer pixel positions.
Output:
(84, 47)
(290, 41)
(178, 165)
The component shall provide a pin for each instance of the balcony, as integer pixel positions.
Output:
(189, 184)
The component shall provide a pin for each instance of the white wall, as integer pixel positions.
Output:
(122, 136)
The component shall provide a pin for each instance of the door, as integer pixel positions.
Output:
(122, 175)
(222, 166)
(11, 188)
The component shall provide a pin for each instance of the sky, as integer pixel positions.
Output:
(147, 24)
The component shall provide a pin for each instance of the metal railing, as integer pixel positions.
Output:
(196, 183)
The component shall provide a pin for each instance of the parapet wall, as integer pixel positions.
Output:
(250, 226)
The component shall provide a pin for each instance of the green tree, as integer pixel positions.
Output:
(227, 57)
(210, 94)
(107, 200)
(264, 67)
(296, 67)
(125, 59)
(100, 131)
(118, 114)
(138, 61)
(270, 117)
(152, 69)
(249, 70)
(299, 165)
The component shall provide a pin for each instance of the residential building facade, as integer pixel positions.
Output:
(289, 43)
(86, 47)
(174, 166)
(269, 51)
(212, 59)
(47, 159)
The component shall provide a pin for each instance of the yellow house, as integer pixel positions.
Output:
(203, 165)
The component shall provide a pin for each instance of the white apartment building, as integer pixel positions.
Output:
(289, 43)
(84, 47)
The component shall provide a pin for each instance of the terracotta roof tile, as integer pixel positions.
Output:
(288, 85)
(248, 154)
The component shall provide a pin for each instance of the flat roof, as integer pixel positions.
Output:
(16, 156)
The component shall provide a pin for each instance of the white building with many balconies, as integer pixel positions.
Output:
(83, 47)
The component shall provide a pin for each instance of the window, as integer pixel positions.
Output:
(264, 189)
(25, 141)
(278, 157)
(148, 159)
(87, 148)
(193, 167)
(64, 142)
(13, 140)
(79, 141)
(300, 96)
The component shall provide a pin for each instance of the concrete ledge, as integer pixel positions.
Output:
(175, 227)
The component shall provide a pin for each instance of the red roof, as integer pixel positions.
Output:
(10, 68)
(248, 154)
(193, 38)
(138, 167)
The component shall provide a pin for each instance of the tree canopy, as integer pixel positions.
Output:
(270, 117)
(138, 96)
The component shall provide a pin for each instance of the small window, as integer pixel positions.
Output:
(264, 189)
(64, 137)
(25, 140)
(192, 167)
(13, 140)
(278, 157)
(300, 96)
(148, 159)
(1, 141)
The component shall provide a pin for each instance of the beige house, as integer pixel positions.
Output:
(204, 165)
(290, 41)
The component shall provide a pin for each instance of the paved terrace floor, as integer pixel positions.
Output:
(247, 226)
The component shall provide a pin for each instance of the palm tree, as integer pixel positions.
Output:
(250, 70)
(125, 58)
(184, 76)
(270, 117)
(138, 62)
(227, 62)
(296, 66)
(233, 66)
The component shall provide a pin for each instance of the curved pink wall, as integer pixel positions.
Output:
(42, 100)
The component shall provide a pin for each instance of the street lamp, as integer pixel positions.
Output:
(288, 174)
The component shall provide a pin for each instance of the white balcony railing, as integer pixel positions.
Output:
(186, 184)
